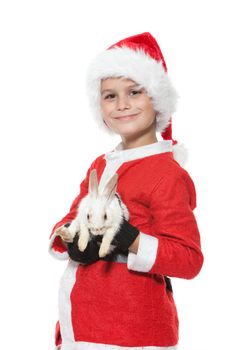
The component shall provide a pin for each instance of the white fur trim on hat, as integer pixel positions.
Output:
(141, 68)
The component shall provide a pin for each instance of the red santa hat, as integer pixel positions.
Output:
(140, 59)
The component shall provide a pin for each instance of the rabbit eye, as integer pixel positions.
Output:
(105, 216)
(88, 216)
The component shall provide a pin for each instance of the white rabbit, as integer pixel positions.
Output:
(99, 214)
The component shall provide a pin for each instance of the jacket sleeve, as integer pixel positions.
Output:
(56, 246)
(174, 248)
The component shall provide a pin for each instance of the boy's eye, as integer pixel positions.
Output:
(135, 92)
(109, 96)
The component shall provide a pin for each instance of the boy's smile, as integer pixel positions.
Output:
(128, 110)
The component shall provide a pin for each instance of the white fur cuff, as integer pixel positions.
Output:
(146, 255)
(56, 254)
(95, 346)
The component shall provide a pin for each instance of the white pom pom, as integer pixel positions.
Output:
(180, 154)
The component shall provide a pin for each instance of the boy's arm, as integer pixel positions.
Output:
(174, 249)
(133, 248)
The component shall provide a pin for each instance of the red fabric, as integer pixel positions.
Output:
(174, 224)
(167, 133)
(146, 42)
(58, 339)
(114, 305)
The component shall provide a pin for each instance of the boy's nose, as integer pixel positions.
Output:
(123, 103)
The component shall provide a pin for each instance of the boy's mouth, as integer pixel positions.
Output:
(126, 117)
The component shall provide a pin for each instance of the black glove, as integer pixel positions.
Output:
(88, 256)
(122, 240)
(125, 236)
(91, 253)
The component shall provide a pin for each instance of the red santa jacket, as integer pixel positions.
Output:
(126, 304)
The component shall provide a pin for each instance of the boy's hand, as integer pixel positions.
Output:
(126, 236)
(88, 256)
(64, 233)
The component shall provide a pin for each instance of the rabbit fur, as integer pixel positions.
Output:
(99, 214)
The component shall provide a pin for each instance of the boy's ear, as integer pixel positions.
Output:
(106, 124)
(155, 120)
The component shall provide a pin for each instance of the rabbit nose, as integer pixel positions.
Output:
(97, 230)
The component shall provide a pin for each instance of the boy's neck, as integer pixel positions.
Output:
(143, 140)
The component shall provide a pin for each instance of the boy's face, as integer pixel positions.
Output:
(126, 108)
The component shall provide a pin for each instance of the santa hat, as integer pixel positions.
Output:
(140, 59)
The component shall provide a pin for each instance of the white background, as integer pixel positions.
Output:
(48, 140)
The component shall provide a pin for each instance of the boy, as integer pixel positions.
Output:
(125, 301)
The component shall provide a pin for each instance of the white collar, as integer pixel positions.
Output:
(139, 152)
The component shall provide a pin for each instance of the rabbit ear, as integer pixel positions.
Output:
(93, 183)
(110, 188)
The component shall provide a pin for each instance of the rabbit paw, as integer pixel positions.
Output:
(65, 234)
(82, 243)
(104, 249)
